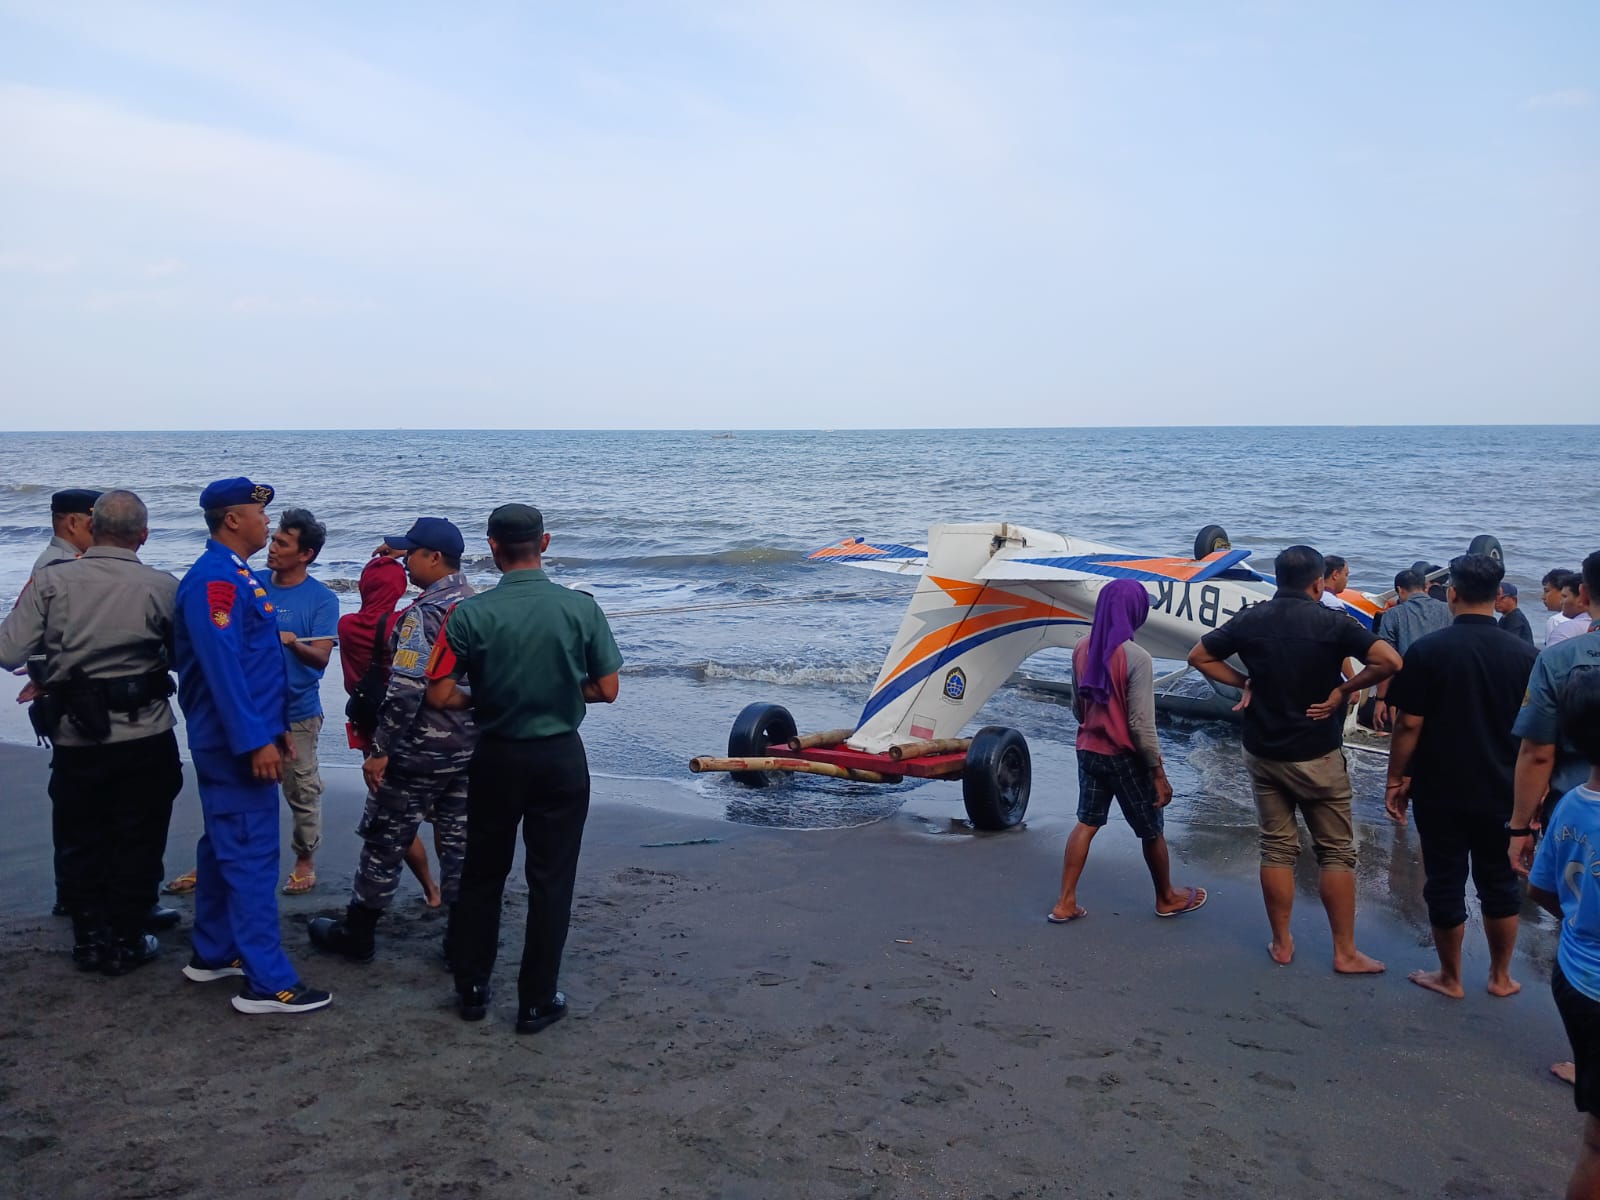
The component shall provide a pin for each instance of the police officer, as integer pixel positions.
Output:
(418, 766)
(234, 692)
(536, 653)
(103, 624)
(70, 532)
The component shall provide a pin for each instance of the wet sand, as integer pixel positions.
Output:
(879, 1011)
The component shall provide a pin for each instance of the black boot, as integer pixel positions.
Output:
(127, 953)
(160, 918)
(91, 941)
(351, 937)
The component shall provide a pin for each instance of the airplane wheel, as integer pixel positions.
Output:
(1211, 539)
(997, 778)
(755, 730)
(1485, 544)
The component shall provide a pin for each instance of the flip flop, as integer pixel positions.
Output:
(1197, 899)
(1055, 920)
(299, 885)
(182, 885)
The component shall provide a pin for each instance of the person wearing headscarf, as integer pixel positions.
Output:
(383, 582)
(1119, 755)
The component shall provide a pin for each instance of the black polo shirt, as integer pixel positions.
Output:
(1515, 623)
(1292, 649)
(1466, 682)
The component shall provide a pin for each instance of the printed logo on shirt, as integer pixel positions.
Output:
(412, 651)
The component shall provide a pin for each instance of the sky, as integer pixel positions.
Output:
(808, 214)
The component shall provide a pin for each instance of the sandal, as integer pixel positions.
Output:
(299, 885)
(182, 885)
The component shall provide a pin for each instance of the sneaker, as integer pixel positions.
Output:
(298, 999)
(204, 972)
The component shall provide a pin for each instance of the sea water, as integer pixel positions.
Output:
(694, 545)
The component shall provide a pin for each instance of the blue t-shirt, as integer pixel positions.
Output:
(1568, 864)
(1540, 718)
(309, 609)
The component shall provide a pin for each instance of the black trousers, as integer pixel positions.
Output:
(542, 785)
(110, 808)
(1455, 843)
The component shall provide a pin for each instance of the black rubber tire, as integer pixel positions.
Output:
(1211, 539)
(755, 730)
(1487, 544)
(997, 778)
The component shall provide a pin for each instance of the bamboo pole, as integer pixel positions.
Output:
(831, 737)
(798, 765)
(922, 749)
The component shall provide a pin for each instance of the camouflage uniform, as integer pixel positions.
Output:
(428, 751)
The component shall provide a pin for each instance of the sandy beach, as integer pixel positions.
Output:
(879, 1011)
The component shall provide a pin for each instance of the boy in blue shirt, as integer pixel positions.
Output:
(1565, 881)
(308, 621)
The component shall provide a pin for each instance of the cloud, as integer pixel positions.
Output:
(22, 262)
(1576, 97)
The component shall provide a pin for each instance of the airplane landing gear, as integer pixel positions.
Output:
(1211, 539)
(996, 778)
(756, 729)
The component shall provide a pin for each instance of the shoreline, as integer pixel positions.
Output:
(868, 1011)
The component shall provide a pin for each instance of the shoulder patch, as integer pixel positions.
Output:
(220, 596)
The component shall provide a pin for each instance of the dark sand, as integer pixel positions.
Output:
(879, 1011)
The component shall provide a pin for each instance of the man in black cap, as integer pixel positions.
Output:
(70, 532)
(1511, 618)
(103, 626)
(417, 769)
(536, 654)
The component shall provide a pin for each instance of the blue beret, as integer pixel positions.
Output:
(225, 493)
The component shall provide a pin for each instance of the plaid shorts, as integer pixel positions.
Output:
(1125, 776)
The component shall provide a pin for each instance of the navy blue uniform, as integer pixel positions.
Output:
(234, 692)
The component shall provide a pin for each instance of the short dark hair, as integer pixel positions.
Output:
(310, 533)
(1591, 574)
(453, 561)
(1476, 577)
(1332, 563)
(214, 519)
(1410, 580)
(1571, 582)
(1297, 567)
(1553, 578)
(1579, 706)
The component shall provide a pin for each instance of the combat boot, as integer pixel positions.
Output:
(351, 937)
(91, 941)
(127, 953)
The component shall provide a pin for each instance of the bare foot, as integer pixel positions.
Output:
(1435, 981)
(1282, 955)
(1356, 963)
(1503, 987)
(431, 896)
(1565, 1071)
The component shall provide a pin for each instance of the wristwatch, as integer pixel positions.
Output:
(1514, 832)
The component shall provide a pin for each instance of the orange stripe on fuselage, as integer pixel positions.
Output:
(967, 595)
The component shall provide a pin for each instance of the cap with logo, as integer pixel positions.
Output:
(225, 493)
(431, 533)
(516, 523)
(73, 500)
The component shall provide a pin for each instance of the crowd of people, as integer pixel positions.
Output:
(466, 706)
(1491, 742)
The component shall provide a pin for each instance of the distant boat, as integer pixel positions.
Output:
(720, 436)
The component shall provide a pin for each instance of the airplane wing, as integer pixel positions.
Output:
(874, 556)
(1016, 566)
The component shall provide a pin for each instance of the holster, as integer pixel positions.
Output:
(44, 714)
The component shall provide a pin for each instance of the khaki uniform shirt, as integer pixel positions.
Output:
(59, 550)
(105, 613)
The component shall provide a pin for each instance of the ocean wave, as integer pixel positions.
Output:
(746, 557)
(790, 673)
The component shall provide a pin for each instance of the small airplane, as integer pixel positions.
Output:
(990, 594)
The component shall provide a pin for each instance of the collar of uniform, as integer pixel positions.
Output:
(525, 575)
(455, 579)
(1474, 619)
(57, 542)
(1290, 594)
(111, 552)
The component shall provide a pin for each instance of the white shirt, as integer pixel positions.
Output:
(1331, 600)
(1567, 627)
